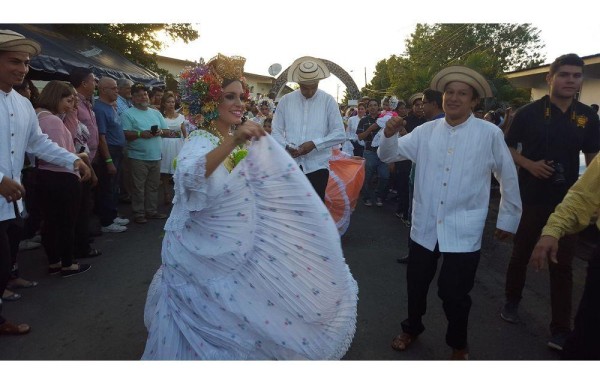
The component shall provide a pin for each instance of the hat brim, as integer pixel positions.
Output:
(415, 97)
(29, 46)
(464, 75)
(319, 71)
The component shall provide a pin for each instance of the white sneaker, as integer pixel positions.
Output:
(121, 221)
(28, 244)
(114, 228)
(36, 238)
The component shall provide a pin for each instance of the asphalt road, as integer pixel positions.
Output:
(99, 315)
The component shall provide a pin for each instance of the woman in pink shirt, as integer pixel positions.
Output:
(60, 188)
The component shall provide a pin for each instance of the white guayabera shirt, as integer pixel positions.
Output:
(20, 132)
(318, 119)
(452, 181)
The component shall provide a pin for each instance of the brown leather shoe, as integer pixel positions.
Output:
(140, 220)
(8, 328)
(402, 341)
(156, 215)
(460, 354)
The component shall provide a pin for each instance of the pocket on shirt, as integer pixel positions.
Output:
(473, 226)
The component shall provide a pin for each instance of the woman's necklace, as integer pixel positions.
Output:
(238, 153)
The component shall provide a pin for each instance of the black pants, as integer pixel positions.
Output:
(583, 343)
(456, 279)
(532, 221)
(31, 202)
(402, 173)
(319, 180)
(10, 236)
(64, 233)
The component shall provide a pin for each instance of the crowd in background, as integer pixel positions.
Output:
(130, 135)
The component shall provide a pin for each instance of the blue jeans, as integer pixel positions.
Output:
(107, 190)
(374, 166)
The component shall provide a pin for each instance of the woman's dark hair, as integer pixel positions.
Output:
(52, 94)
(226, 82)
(34, 93)
(164, 99)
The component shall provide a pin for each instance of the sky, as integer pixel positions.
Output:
(353, 34)
(269, 32)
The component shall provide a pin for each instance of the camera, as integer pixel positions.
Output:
(558, 177)
(154, 129)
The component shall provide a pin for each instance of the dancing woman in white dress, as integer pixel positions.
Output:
(252, 265)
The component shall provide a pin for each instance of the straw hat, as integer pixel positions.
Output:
(463, 75)
(15, 42)
(414, 97)
(307, 70)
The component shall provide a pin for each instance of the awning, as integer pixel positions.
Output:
(61, 53)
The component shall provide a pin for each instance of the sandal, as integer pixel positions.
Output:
(21, 283)
(402, 341)
(92, 253)
(8, 295)
(7, 328)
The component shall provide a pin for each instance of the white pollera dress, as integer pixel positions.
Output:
(252, 264)
(171, 145)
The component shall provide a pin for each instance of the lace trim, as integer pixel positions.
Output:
(189, 179)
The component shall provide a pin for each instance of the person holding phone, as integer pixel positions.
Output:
(143, 127)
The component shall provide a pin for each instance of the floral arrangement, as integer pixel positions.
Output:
(200, 91)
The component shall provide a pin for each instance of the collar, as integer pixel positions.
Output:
(464, 123)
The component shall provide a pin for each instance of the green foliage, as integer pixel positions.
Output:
(491, 49)
(137, 42)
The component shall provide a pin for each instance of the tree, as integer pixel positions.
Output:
(491, 49)
(137, 42)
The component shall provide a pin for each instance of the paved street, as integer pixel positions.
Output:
(99, 315)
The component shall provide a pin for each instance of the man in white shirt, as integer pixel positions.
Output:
(308, 122)
(455, 156)
(353, 121)
(19, 132)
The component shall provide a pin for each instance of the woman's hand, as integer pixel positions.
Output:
(246, 131)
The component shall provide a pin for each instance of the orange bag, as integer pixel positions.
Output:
(346, 177)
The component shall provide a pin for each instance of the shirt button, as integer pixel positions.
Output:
(447, 169)
(441, 202)
(439, 221)
(450, 151)
(444, 184)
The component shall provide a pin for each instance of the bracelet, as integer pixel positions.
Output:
(139, 133)
(109, 160)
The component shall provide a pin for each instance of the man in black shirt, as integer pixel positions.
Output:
(366, 131)
(551, 131)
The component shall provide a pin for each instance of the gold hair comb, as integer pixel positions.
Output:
(227, 67)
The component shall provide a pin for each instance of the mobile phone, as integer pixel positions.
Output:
(154, 129)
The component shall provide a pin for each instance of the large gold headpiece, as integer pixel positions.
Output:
(226, 67)
(200, 87)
